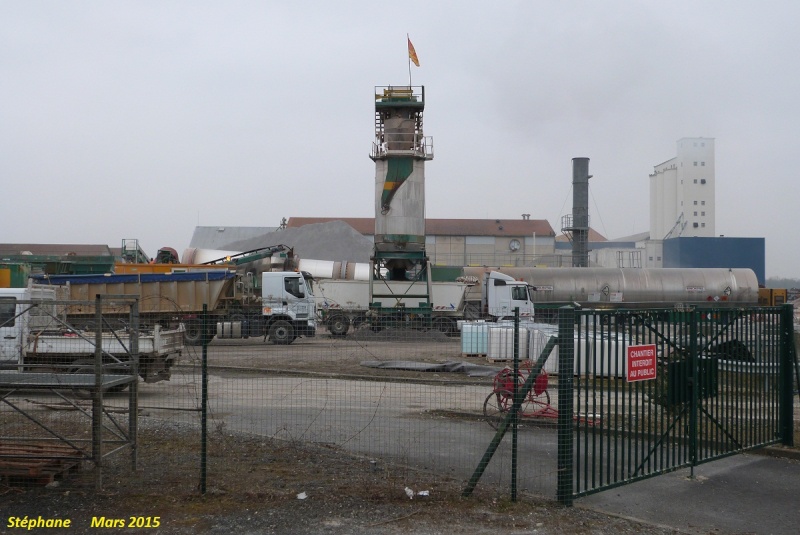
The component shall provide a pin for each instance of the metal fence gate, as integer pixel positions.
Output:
(720, 383)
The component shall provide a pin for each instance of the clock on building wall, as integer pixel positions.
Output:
(514, 245)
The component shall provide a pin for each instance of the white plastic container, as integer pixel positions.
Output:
(537, 340)
(606, 357)
(501, 343)
(474, 337)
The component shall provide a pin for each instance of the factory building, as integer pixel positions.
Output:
(472, 242)
(682, 222)
(682, 192)
(682, 216)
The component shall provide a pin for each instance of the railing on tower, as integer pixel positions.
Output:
(398, 123)
(413, 145)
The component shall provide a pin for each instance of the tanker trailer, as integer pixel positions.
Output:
(604, 288)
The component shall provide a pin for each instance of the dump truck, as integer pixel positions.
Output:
(492, 297)
(278, 306)
(35, 335)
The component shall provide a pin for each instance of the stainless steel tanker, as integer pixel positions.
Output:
(631, 287)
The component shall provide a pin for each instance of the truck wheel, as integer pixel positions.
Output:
(338, 325)
(445, 326)
(193, 335)
(281, 333)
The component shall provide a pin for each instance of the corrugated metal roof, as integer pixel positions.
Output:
(641, 236)
(446, 227)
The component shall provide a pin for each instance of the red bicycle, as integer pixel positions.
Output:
(536, 402)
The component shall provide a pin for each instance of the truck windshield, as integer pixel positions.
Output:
(519, 293)
(292, 285)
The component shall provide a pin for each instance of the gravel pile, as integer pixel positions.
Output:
(334, 240)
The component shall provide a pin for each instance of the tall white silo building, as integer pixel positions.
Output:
(682, 192)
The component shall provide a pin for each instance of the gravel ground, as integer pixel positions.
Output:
(289, 488)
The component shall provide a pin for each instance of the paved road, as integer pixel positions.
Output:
(740, 494)
(423, 425)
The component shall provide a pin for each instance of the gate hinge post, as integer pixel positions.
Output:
(787, 364)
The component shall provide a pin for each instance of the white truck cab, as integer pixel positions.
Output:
(288, 306)
(502, 293)
(18, 318)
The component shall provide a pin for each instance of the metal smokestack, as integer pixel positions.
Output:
(580, 212)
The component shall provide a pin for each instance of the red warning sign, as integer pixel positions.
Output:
(641, 362)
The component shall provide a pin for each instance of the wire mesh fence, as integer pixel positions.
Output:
(394, 406)
(400, 401)
(394, 397)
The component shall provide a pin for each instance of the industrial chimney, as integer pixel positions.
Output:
(580, 212)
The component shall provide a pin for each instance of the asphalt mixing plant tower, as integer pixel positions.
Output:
(400, 286)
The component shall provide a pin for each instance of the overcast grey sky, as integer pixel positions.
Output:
(143, 119)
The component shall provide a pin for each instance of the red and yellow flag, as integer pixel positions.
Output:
(412, 54)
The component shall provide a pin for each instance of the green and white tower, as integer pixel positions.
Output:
(400, 273)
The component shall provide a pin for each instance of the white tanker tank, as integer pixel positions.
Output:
(328, 269)
(632, 287)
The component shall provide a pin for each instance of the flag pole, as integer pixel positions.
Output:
(408, 39)
(412, 58)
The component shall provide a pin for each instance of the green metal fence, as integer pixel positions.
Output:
(658, 390)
